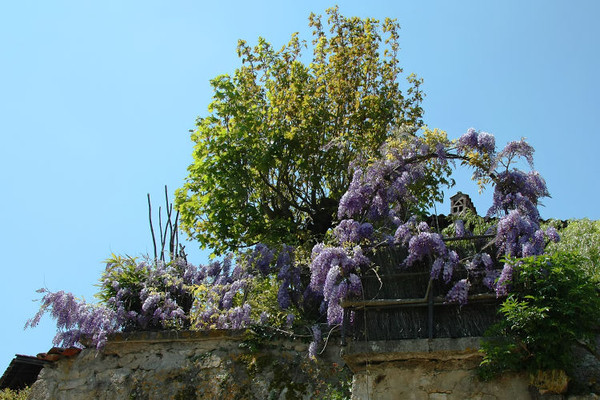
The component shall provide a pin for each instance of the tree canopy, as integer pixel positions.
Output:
(271, 158)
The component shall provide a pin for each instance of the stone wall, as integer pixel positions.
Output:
(426, 370)
(436, 369)
(193, 365)
(234, 365)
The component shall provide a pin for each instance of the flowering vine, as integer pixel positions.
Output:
(389, 193)
(282, 286)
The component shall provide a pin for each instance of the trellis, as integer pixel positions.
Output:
(407, 304)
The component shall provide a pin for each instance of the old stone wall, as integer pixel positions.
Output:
(193, 365)
(435, 380)
(234, 365)
(436, 369)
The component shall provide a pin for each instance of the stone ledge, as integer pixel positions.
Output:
(358, 354)
(175, 336)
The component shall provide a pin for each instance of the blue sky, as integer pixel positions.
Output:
(96, 100)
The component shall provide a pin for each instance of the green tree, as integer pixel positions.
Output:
(271, 158)
(581, 236)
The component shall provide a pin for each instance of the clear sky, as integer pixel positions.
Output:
(97, 97)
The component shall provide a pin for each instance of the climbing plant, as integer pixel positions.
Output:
(280, 287)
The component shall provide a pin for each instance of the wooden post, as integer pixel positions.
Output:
(430, 309)
(345, 318)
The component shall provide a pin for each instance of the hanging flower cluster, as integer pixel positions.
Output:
(76, 319)
(134, 296)
(335, 273)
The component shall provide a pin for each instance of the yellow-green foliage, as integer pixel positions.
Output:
(428, 189)
(271, 157)
(8, 394)
(263, 298)
(474, 223)
(260, 294)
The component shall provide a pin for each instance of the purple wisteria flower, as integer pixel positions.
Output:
(75, 319)
(351, 231)
(289, 320)
(335, 313)
(354, 200)
(518, 190)
(135, 295)
(459, 228)
(354, 285)
(326, 258)
(519, 235)
(503, 282)
(480, 141)
(403, 233)
(436, 267)
(486, 142)
(261, 258)
(151, 302)
(552, 235)
(482, 265)
(238, 318)
(317, 337)
(423, 227)
(213, 269)
(459, 292)
(236, 287)
(373, 212)
(382, 193)
(490, 278)
(517, 149)
(468, 140)
(450, 264)
(290, 290)
(425, 244)
(335, 275)
(331, 282)
(283, 297)
(264, 318)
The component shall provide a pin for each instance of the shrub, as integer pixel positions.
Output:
(553, 304)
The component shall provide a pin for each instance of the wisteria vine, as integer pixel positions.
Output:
(156, 295)
(389, 192)
(279, 286)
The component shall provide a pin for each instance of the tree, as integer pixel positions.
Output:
(271, 158)
(581, 237)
